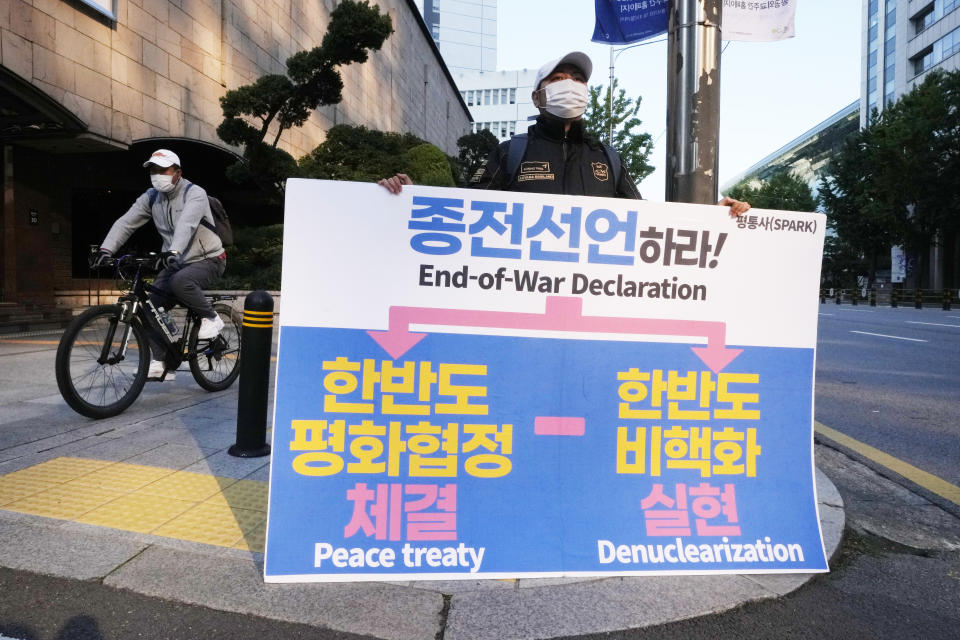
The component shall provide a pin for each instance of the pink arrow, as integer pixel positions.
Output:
(561, 314)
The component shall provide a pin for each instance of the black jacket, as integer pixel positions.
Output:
(571, 163)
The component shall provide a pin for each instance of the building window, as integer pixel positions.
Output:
(513, 96)
(496, 96)
(513, 128)
(486, 96)
(503, 129)
(940, 51)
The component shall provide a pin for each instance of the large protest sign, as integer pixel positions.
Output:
(487, 384)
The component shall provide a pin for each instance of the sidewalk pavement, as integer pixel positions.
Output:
(151, 502)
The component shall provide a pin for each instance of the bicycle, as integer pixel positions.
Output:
(104, 353)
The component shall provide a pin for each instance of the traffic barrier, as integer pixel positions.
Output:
(853, 296)
(918, 299)
(894, 298)
(838, 295)
(255, 346)
(873, 297)
(947, 299)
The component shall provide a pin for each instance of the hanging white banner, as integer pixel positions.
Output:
(758, 21)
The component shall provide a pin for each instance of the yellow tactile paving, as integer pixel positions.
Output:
(176, 504)
(136, 512)
(212, 524)
(60, 469)
(244, 494)
(13, 489)
(254, 540)
(184, 485)
(122, 477)
(63, 502)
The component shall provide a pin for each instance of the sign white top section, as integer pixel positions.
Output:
(478, 250)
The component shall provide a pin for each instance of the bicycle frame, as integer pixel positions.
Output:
(137, 304)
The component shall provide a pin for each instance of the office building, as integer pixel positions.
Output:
(903, 41)
(499, 100)
(807, 155)
(89, 89)
(465, 32)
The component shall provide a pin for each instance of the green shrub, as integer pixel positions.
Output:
(255, 259)
(427, 164)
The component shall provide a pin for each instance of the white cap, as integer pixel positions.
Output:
(163, 158)
(577, 58)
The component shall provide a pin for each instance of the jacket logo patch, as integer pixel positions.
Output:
(600, 171)
(535, 170)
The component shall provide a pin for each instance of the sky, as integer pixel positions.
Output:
(770, 92)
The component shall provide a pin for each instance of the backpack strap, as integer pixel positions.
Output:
(516, 149)
(203, 221)
(613, 156)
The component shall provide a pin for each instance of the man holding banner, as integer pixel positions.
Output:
(557, 155)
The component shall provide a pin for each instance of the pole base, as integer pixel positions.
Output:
(238, 452)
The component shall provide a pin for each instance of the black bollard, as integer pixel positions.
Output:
(873, 297)
(894, 298)
(256, 344)
(947, 298)
(918, 299)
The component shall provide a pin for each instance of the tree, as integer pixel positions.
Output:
(366, 155)
(784, 190)
(634, 147)
(474, 150)
(278, 102)
(859, 213)
(898, 180)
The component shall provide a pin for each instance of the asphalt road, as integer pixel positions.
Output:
(890, 378)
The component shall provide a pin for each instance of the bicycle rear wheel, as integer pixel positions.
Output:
(102, 362)
(215, 364)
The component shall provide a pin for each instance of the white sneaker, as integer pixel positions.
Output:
(155, 372)
(210, 328)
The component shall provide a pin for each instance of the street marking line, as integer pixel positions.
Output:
(928, 481)
(857, 310)
(883, 335)
(934, 324)
(824, 314)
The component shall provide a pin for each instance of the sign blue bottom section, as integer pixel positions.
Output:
(538, 456)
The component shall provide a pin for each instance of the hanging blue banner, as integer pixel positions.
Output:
(626, 21)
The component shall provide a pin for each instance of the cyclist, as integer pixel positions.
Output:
(192, 255)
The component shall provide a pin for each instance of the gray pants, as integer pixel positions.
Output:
(185, 285)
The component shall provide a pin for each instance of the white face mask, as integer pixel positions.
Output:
(162, 182)
(566, 98)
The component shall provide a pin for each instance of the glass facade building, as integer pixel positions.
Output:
(903, 40)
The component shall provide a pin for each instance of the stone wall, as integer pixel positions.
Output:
(161, 69)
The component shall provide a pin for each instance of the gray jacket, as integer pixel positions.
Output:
(177, 216)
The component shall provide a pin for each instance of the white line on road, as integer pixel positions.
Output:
(857, 310)
(934, 324)
(883, 335)
(824, 314)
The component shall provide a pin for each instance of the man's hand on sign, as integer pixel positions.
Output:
(737, 207)
(395, 183)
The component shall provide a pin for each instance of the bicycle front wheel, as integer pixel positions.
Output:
(215, 364)
(102, 362)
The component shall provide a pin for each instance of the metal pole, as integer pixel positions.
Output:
(610, 101)
(693, 101)
(256, 343)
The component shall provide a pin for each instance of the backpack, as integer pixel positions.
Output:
(518, 147)
(221, 222)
